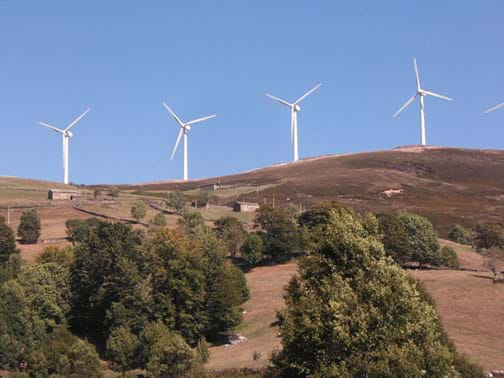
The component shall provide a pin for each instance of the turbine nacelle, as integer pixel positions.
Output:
(69, 134)
(187, 127)
(296, 107)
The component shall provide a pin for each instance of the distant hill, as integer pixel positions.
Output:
(448, 185)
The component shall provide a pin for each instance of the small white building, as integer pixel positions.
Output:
(245, 207)
(63, 194)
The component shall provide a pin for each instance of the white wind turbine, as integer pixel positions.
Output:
(494, 108)
(66, 134)
(420, 93)
(295, 108)
(184, 128)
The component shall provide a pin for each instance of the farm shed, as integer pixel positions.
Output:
(210, 187)
(245, 207)
(58, 194)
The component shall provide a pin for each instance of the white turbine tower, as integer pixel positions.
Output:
(494, 108)
(420, 93)
(66, 134)
(295, 108)
(184, 128)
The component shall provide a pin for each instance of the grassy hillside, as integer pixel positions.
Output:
(448, 185)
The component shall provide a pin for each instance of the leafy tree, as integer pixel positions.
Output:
(52, 254)
(423, 239)
(396, 240)
(449, 258)
(11, 268)
(177, 201)
(138, 210)
(114, 192)
(193, 225)
(231, 231)
(252, 249)
(281, 234)
(350, 312)
(494, 260)
(29, 227)
(203, 198)
(159, 220)
(460, 235)
(489, 235)
(79, 229)
(122, 349)
(7, 243)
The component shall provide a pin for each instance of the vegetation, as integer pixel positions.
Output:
(494, 260)
(177, 201)
(78, 229)
(252, 249)
(460, 235)
(114, 192)
(29, 227)
(489, 235)
(350, 312)
(138, 210)
(448, 258)
(7, 243)
(396, 239)
(159, 220)
(231, 232)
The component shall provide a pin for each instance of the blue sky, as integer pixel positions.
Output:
(123, 58)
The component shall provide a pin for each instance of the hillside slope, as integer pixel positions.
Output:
(448, 185)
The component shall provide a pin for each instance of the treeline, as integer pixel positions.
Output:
(150, 300)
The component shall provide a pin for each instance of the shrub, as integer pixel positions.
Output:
(29, 227)
(489, 235)
(177, 201)
(159, 220)
(423, 239)
(114, 192)
(78, 230)
(449, 258)
(459, 234)
(62, 256)
(7, 243)
(252, 249)
(138, 210)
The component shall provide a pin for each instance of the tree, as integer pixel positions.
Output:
(138, 210)
(396, 240)
(122, 349)
(29, 227)
(231, 231)
(252, 249)
(423, 239)
(281, 235)
(79, 229)
(193, 225)
(203, 198)
(97, 193)
(351, 312)
(494, 260)
(7, 243)
(176, 200)
(489, 235)
(460, 235)
(449, 258)
(52, 254)
(114, 192)
(159, 220)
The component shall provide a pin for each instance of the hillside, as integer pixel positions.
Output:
(448, 185)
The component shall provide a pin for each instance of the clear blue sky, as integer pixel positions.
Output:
(123, 58)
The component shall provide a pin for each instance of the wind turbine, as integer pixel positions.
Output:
(420, 93)
(66, 134)
(494, 108)
(184, 128)
(295, 108)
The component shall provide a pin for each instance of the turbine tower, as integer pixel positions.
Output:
(295, 108)
(420, 93)
(66, 134)
(494, 108)
(184, 128)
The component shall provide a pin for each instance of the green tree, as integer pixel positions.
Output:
(203, 198)
(396, 239)
(449, 258)
(281, 234)
(423, 239)
(29, 227)
(489, 235)
(252, 249)
(231, 231)
(159, 220)
(138, 210)
(7, 243)
(52, 254)
(78, 229)
(193, 225)
(350, 312)
(122, 349)
(114, 192)
(459, 234)
(177, 201)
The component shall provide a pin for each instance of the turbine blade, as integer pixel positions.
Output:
(181, 124)
(494, 108)
(437, 95)
(201, 119)
(51, 127)
(279, 100)
(410, 100)
(77, 120)
(307, 94)
(177, 142)
(416, 74)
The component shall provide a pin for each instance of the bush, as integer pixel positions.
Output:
(114, 192)
(489, 235)
(29, 227)
(459, 234)
(159, 220)
(62, 256)
(177, 201)
(423, 239)
(78, 230)
(252, 249)
(449, 258)
(7, 243)
(138, 210)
